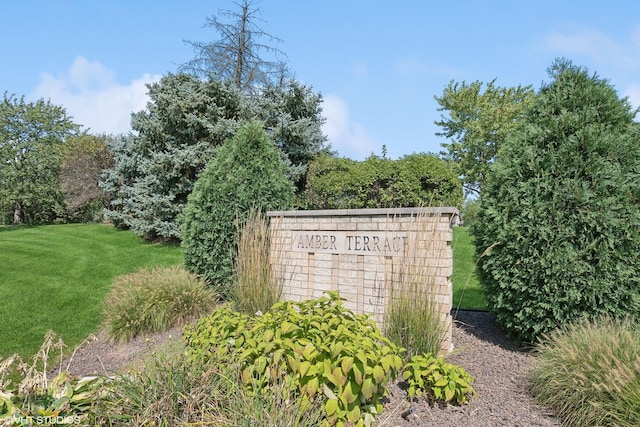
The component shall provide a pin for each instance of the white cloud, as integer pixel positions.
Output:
(605, 50)
(584, 42)
(347, 137)
(359, 69)
(91, 94)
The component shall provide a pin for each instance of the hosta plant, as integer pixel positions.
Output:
(29, 397)
(434, 377)
(317, 347)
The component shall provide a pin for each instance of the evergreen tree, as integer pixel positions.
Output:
(239, 55)
(186, 119)
(562, 209)
(292, 114)
(247, 173)
(177, 135)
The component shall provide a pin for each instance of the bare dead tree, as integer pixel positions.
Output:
(238, 55)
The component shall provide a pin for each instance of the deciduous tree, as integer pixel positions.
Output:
(31, 137)
(84, 159)
(378, 182)
(477, 125)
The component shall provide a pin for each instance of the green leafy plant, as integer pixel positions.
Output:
(434, 377)
(34, 398)
(379, 182)
(153, 300)
(316, 347)
(588, 372)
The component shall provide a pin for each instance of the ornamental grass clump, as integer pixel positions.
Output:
(255, 288)
(167, 390)
(154, 301)
(589, 372)
(412, 318)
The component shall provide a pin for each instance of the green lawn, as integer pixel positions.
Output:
(467, 291)
(55, 277)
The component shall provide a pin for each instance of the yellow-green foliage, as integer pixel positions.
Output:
(426, 374)
(589, 373)
(317, 347)
(153, 301)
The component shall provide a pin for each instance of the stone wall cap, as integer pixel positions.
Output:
(366, 212)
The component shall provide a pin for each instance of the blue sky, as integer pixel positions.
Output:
(377, 64)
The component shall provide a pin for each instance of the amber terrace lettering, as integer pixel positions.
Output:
(349, 242)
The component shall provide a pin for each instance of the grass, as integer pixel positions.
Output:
(154, 300)
(255, 288)
(588, 373)
(169, 390)
(412, 318)
(56, 277)
(467, 290)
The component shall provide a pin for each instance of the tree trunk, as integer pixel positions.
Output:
(17, 213)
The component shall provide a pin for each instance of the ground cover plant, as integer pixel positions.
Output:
(434, 378)
(56, 278)
(588, 372)
(317, 347)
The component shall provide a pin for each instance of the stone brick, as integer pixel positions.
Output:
(364, 273)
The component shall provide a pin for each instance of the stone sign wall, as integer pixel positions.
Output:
(367, 255)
